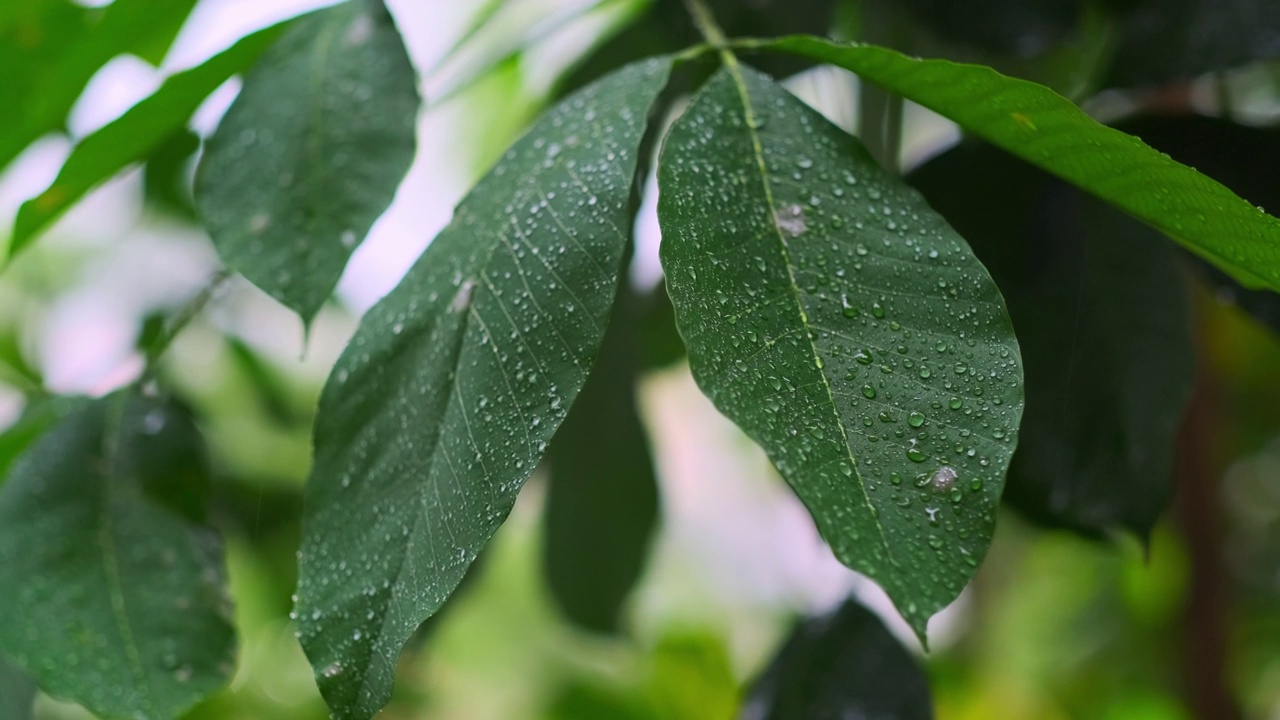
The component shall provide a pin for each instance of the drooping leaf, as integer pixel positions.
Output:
(841, 665)
(1162, 41)
(311, 152)
(17, 692)
(111, 599)
(847, 329)
(446, 398)
(131, 138)
(49, 49)
(1045, 129)
(602, 496)
(1100, 306)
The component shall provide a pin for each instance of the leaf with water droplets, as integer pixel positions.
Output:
(1047, 130)
(602, 491)
(111, 599)
(844, 664)
(1100, 305)
(446, 398)
(311, 152)
(823, 303)
(17, 692)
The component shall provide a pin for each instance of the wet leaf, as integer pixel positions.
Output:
(1046, 130)
(841, 665)
(1100, 306)
(602, 492)
(446, 398)
(847, 329)
(311, 152)
(17, 692)
(134, 136)
(111, 599)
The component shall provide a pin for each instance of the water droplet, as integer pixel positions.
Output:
(915, 419)
(868, 391)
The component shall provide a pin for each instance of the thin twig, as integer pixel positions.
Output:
(180, 320)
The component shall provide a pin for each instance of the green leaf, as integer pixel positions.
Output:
(111, 600)
(841, 665)
(17, 692)
(311, 152)
(847, 329)
(1100, 306)
(36, 420)
(1015, 27)
(141, 131)
(1043, 128)
(49, 49)
(602, 495)
(165, 180)
(446, 398)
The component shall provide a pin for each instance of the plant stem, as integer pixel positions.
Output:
(180, 320)
(880, 111)
(706, 24)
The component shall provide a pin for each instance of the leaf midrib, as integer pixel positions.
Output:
(735, 72)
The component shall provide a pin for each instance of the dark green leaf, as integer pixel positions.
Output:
(311, 152)
(660, 344)
(134, 136)
(445, 400)
(35, 421)
(1045, 129)
(110, 599)
(17, 692)
(1013, 27)
(847, 329)
(49, 49)
(165, 179)
(841, 665)
(1099, 304)
(583, 701)
(602, 498)
(1161, 41)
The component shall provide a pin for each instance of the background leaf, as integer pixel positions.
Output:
(17, 692)
(602, 492)
(111, 600)
(446, 398)
(1045, 129)
(1100, 306)
(841, 665)
(49, 49)
(311, 152)
(131, 138)
(847, 329)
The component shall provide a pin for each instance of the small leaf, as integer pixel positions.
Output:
(602, 494)
(111, 600)
(841, 665)
(847, 329)
(311, 152)
(17, 692)
(446, 398)
(131, 138)
(1043, 128)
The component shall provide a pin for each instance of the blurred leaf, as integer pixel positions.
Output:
(311, 152)
(1046, 130)
(266, 382)
(1023, 28)
(111, 600)
(660, 344)
(133, 136)
(825, 325)
(583, 701)
(1162, 41)
(692, 679)
(842, 665)
(49, 49)
(161, 448)
(17, 692)
(1100, 307)
(36, 419)
(602, 496)
(444, 401)
(165, 178)
(14, 367)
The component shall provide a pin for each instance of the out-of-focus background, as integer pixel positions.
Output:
(1054, 626)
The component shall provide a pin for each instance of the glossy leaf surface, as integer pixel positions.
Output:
(112, 600)
(844, 664)
(1045, 129)
(446, 399)
(847, 329)
(131, 138)
(311, 152)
